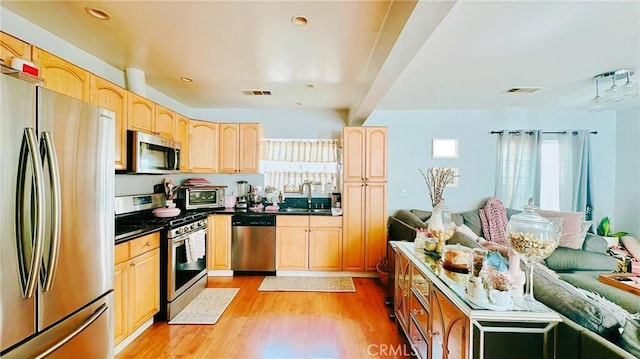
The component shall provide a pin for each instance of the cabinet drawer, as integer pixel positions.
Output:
(144, 244)
(418, 342)
(325, 221)
(419, 313)
(121, 253)
(292, 221)
(420, 283)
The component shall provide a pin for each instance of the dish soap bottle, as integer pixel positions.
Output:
(280, 197)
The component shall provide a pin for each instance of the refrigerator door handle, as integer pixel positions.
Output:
(103, 308)
(48, 153)
(29, 153)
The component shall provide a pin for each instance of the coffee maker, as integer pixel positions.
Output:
(336, 199)
(243, 194)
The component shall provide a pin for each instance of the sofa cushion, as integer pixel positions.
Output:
(567, 300)
(570, 236)
(630, 340)
(410, 219)
(473, 221)
(425, 215)
(594, 243)
(589, 280)
(569, 259)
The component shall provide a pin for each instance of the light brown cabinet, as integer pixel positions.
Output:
(182, 136)
(114, 98)
(365, 154)
(308, 243)
(239, 147)
(364, 197)
(11, 47)
(141, 115)
(62, 76)
(219, 242)
(136, 284)
(165, 122)
(448, 327)
(203, 142)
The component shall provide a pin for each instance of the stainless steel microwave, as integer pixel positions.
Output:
(201, 197)
(152, 154)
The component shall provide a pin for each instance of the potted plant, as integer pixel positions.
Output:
(604, 230)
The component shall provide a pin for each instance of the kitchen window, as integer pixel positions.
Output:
(288, 163)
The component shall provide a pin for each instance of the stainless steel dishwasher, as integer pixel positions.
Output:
(253, 242)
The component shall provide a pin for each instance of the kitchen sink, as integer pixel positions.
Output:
(305, 210)
(320, 210)
(294, 210)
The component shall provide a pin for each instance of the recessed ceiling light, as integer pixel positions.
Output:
(98, 13)
(299, 20)
(186, 79)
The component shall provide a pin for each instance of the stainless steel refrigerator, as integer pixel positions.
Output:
(57, 240)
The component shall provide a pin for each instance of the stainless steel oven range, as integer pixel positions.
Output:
(183, 261)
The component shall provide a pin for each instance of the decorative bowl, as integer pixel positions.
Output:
(166, 212)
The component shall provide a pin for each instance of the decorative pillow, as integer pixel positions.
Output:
(630, 340)
(472, 220)
(570, 236)
(423, 215)
(632, 245)
(569, 259)
(410, 219)
(568, 301)
(462, 228)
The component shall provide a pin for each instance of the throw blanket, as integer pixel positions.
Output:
(494, 221)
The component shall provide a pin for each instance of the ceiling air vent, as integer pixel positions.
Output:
(523, 89)
(256, 92)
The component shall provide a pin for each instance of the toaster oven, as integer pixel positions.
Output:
(201, 197)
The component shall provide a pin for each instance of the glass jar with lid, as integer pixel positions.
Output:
(534, 238)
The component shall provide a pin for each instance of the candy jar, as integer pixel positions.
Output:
(534, 238)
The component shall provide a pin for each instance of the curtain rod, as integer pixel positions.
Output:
(530, 132)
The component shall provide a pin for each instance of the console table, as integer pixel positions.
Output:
(431, 309)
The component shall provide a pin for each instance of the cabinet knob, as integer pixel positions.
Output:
(133, 264)
(418, 311)
(148, 244)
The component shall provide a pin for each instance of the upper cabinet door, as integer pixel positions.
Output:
(229, 146)
(204, 146)
(11, 47)
(250, 135)
(182, 136)
(141, 116)
(376, 154)
(114, 98)
(62, 76)
(165, 125)
(354, 141)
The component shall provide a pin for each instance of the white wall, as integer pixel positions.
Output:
(626, 215)
(411, 132)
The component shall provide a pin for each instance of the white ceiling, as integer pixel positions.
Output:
(358, 54)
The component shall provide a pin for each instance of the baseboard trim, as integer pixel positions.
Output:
(326, 274)
(220, 273)
(126, 341)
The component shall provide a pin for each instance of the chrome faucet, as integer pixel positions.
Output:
(308, 184)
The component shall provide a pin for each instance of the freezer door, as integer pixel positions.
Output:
(86, 334)
(17, 112)
(80, 258)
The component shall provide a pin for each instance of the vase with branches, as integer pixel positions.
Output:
(439, 225)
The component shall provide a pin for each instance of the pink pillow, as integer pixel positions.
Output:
(571, 235)
(632, 245)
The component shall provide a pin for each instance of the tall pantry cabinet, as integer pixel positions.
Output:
(364, 197)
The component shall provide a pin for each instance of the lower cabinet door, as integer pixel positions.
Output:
(120, 282)
(418, 342)
(144, 286)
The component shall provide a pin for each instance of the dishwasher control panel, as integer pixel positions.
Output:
(262, 220)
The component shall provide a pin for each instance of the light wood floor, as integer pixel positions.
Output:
(282, 325)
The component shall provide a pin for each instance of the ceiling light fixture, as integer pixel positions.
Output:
(186, 79)
(299, 20)
(615, 93)
(98, 13)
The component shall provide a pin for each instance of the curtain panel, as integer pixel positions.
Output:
(289, 163)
